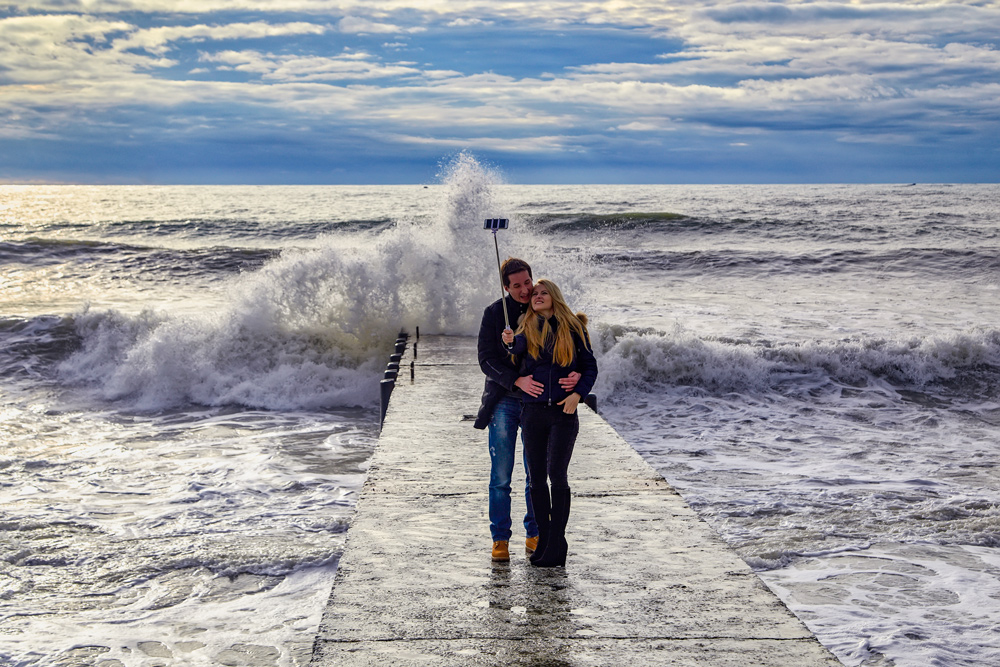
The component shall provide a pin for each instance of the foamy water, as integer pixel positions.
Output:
(188, 384)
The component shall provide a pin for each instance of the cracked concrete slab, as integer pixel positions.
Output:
(646, 581)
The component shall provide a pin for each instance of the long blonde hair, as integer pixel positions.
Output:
(563, 350)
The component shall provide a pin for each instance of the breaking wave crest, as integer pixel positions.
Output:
(634, 362)
(310, 328)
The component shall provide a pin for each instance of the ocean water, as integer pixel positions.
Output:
(188, 394)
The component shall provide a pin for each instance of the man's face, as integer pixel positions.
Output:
(519, 286)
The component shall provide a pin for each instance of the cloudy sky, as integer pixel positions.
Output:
(549, 91)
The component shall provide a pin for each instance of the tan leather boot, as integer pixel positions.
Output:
(500, 552)
(530, 544)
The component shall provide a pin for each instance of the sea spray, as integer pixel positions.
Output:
(309, 328)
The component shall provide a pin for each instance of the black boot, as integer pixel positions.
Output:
(556, 547)
(540, 506)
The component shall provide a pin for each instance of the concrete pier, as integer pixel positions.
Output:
(646, 581)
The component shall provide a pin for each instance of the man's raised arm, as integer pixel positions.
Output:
(492, 356)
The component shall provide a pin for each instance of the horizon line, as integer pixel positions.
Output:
(51, 183)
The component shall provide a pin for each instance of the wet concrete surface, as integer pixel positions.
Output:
(646, 581)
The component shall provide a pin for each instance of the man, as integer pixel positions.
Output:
(501, 405)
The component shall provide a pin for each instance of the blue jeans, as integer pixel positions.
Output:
(503, 439)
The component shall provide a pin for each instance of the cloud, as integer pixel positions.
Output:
(886, 139)
(52, 49)
(639, 126)
(467, 22)
(822, 89)
(347, 66)
(161, 39)
(529, 145)
(355, 24)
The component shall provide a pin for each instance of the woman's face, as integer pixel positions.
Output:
(541, 302)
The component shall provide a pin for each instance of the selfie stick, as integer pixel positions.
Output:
(496, 224)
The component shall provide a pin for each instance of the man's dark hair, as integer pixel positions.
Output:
(513, 265)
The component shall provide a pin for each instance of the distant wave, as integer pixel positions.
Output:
(235, 228)
(136, 259)
(797, 222)
(47, 251)
(225, 229)
(979, 263)
(585, 222)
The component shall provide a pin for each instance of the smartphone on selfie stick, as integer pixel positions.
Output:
(495, 225)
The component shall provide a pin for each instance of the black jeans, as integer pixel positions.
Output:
(549, 435)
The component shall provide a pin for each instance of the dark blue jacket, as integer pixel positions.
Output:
(494, 359)
(545, 370)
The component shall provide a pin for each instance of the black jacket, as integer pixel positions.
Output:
(494, 360)
(545, 370)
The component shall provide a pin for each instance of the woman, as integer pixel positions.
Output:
(553, 342)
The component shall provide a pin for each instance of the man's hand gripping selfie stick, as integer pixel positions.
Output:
(495, 225)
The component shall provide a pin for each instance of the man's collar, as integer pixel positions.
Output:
(521, 306)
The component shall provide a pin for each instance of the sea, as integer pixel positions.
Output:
(189, 393)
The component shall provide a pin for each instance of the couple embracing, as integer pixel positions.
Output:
(535, 378)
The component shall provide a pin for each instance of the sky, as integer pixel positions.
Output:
(547, 91)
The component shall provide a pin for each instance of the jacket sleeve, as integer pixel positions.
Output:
(520, 345)
(492, 356)
(586, 366)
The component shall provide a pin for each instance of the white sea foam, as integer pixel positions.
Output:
(244, 619)
(310, 328)
(185, 535)
(804, 456)
(634, 362)
(900, 600)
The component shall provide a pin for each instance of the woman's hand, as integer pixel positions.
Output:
(570, 402)
(507, 336)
